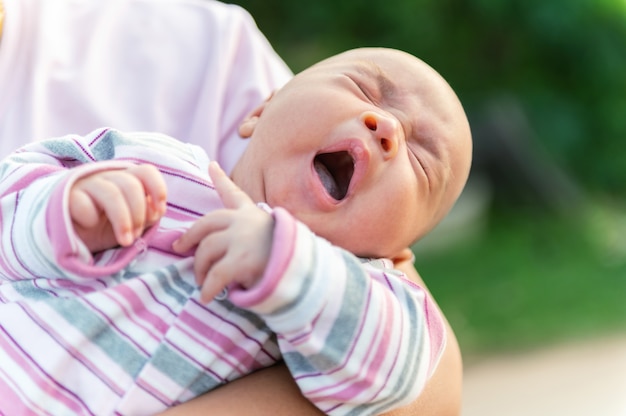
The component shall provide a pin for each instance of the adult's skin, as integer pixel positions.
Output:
(273, 391)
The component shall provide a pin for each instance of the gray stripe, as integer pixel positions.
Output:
(171, 282)
(413, 363)
(182, 371)
(100, 333)
(340, 338)
(66, 149)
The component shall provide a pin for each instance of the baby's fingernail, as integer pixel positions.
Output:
(126, 238)
(155, 215)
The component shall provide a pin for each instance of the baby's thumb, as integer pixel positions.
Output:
(230, 194)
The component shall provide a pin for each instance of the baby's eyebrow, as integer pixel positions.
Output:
(384, 83)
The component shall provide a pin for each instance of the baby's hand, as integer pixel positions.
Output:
(114, 207)
(233, 244)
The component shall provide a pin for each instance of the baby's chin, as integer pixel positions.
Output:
(373, 252)
(377, 243)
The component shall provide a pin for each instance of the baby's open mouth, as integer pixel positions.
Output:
(335, 170)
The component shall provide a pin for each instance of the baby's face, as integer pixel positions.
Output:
(369, 148)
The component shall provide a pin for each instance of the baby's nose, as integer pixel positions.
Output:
(385, 131)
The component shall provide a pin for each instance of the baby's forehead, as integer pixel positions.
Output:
(384, 59)
(373, 71)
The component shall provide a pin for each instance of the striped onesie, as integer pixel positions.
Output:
(124, 332)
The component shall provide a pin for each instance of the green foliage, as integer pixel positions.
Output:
(532, 280)
(563, 59)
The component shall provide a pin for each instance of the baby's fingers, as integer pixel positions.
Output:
(154, 190)
(226, 269)
(199, 230)
(208, 256)
(230, 194)
(107, 200)
(83, 209)
(213, 284)
(144, 192)
(129, 200)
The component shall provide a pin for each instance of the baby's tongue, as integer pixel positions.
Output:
(327, 179)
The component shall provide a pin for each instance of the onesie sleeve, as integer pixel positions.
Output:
(357, 338)
(38, 239)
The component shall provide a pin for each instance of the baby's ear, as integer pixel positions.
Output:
(247, 126)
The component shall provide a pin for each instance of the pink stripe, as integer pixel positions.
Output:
(163, 240)
(112, 325)
(341, 366)
(27, 178)
(17, 275)
(380, 351)
(38, 375)
(436, 330)
(434, 325)
(141, 315)
(76, 289)
(56, 221)
(94, 368)
(235, 360)
(225, 344)
(7, 268)
(12, 403)
(155, 392)
(303, 336)
(383, 351)
(232, 323)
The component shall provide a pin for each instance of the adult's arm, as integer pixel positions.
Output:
(273, 391)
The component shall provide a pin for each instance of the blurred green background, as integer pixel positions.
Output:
(535, 250)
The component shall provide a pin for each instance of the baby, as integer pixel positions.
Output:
(365, 152)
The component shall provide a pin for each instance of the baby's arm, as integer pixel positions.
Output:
(41, 237)
(273, 392)
(355, 338)
(233, 244)
(114, 207)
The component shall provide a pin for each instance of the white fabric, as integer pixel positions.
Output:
(191, 69)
